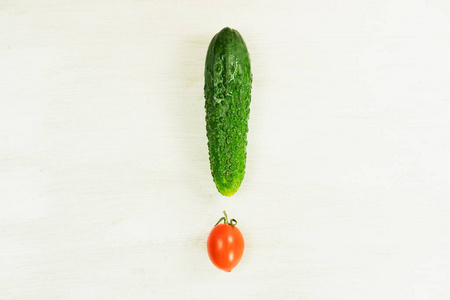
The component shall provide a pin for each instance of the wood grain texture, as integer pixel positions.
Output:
(105, 188)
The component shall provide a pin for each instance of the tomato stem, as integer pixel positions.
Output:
(226, 217)
(220, 220)
(232, 222)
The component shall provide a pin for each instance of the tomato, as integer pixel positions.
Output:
(225, 244)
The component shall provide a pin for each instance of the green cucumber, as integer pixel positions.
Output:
(228, 84)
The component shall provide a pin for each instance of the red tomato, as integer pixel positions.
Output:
(225, 245)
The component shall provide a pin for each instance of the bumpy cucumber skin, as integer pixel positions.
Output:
(228, 84)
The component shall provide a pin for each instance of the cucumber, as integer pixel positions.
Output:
(227, 90)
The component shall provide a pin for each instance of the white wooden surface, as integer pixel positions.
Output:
(105, 190)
